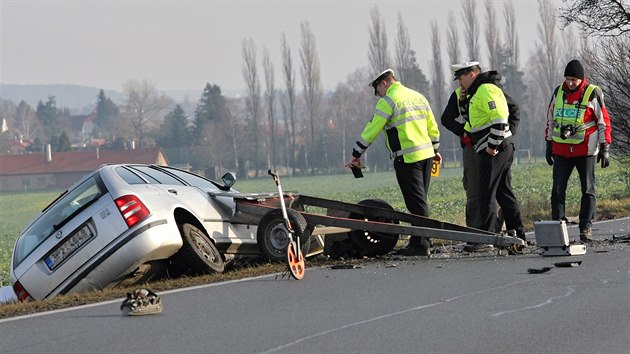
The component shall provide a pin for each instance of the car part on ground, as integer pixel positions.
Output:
(141, 302)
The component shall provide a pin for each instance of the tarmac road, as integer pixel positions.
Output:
(454, 303)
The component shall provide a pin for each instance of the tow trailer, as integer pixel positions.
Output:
(372, 224)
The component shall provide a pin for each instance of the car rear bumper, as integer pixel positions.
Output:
(155, 240)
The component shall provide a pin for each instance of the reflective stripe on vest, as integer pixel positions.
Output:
(408, 108)
(565, 114)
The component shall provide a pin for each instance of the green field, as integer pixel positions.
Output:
(532, 184)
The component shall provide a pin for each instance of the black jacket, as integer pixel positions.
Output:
(451, 112)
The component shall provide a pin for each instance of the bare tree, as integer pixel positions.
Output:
(548, 68)
(511, 47)
(604, 18)
(25, 121)
(608, 63)
(437, 76)
(143, 104)
(378, 54)
(311, 81)
(403, 50)
(492, 36)
(570, 48)
(289, 103)
(234, 128)
(438, 84)
(270, 97)
(452, 39)
(250, 74)
(471, 29)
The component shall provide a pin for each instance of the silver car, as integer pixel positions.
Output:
(130, 222)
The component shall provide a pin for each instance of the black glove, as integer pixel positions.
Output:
(548, 154)
(603, 155)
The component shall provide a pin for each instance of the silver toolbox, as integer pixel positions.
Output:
(552, 238)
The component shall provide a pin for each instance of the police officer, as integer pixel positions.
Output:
(413, 140)
(486, 108)
(578, 132)
(455, 119)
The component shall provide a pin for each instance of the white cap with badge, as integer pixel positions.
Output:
(463, 68)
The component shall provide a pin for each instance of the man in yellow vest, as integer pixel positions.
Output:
(413, 140)
(578, 132)
(454, 118)
(485, 108)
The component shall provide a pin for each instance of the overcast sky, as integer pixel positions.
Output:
(185, 44)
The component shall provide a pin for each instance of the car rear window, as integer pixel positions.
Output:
(71, 203)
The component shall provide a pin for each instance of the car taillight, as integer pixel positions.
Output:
(132, 209)
(21, 293)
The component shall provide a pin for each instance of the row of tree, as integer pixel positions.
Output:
(311, 131)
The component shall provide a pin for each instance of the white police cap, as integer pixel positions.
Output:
(381, 76)
(462, 68)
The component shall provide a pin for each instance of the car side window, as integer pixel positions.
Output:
(129, 177)
(192, 179)
(156, 176)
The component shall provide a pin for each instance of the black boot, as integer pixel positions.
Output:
(418, 246)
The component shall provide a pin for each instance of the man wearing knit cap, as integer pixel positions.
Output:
(578, 135)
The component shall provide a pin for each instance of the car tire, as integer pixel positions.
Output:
(368, 243)
(198, 254)
(273, 236)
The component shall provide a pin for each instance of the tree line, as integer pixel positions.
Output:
(300, 129)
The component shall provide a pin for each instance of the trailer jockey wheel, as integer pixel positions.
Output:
(369, 243)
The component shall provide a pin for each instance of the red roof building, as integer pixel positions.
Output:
(60, 170)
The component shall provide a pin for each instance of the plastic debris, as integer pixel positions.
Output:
(568, 264)
(538, 270)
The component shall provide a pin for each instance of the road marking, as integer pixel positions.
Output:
(545, 303)
(412, 309)
(32, 315)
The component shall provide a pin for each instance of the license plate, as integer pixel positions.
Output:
(68, 247)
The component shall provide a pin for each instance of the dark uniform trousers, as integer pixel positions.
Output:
(562, 168)
(413, 179)
(495, 183)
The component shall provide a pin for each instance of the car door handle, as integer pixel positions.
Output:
(172, 191)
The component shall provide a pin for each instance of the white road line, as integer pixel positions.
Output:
(412, 309)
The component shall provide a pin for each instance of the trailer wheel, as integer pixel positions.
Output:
(371, 243)
(273, 236)
(198, 254)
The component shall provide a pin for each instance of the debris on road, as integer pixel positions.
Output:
(141, 302)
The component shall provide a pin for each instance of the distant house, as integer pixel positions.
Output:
(62, 169)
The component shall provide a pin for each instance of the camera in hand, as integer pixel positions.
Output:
(566, 131)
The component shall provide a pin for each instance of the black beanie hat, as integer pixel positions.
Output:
(574, 69)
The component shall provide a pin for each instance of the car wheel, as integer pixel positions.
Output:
(198, 254)
(273, 235)
(370, 243)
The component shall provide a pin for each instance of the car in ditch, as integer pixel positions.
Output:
(128, 223)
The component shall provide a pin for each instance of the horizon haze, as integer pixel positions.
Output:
(182, 45)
